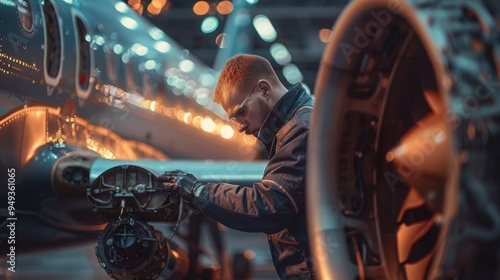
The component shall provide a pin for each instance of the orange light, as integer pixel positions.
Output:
(132, 3)
(224, 7)
(154, 8)
(324, 35)
(201, 7)
(140, 9)
(161, 2)
(249, 254)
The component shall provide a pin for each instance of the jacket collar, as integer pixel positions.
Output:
(282, 112)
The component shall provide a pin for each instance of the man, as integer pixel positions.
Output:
(253, 97)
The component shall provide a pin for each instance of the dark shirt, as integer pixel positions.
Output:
(276, 205)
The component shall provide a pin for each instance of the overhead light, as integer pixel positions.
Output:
(201, 8)
(129, 23)
(140, 49)
(186, 65)
(280, 53)
(121, 7)
(226, 132)
(324, 35)
(150, 64)
(162, 46)
(117, 49)
(209, 24)
(224, 7)
(207, 124)
(264, 28)
(99, 40)
(292, 73)
(155, 33)
(154, 8)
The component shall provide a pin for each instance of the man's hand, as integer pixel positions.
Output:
(182, 182)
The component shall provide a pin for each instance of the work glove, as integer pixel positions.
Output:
(181, 182)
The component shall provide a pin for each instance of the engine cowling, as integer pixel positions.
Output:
(389, 67)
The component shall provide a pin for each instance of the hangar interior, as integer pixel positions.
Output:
(405, 129)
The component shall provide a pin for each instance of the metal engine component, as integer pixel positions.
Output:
(131, 196)
(131, 249)
(408, 95)
(132, 189)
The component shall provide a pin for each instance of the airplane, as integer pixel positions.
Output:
(83, 105)
(84, 86)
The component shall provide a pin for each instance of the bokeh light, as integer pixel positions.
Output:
(201, 8)
(224, 7)
(209, 24)
(324, 35)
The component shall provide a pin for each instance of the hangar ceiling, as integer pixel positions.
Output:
(297, 24)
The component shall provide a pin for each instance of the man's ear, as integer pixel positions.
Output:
(264, 86)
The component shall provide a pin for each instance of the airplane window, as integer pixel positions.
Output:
(53, 45)
(84, 55)
(25, 14)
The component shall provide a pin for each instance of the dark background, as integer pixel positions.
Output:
(296, 22)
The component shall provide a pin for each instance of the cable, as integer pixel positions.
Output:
(359, 261)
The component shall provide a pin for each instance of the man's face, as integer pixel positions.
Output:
(248, 113)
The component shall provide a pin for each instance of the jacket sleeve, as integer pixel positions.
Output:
(267, 206)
